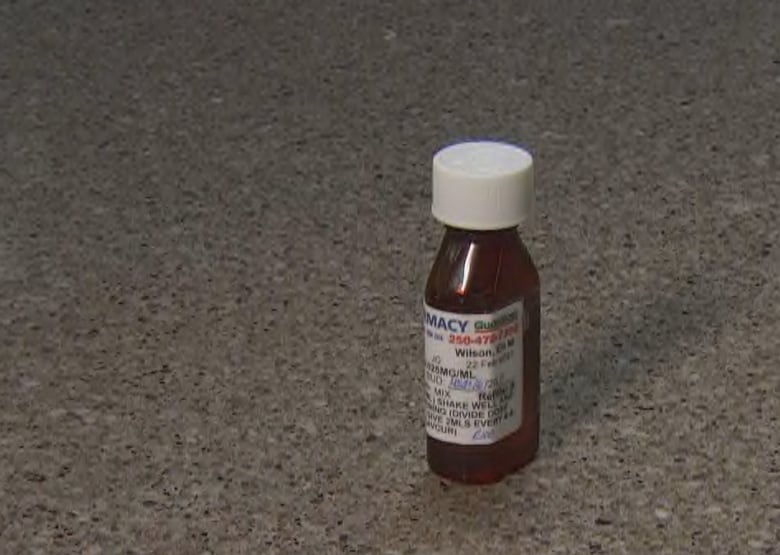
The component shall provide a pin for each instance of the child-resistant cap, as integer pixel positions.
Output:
(483, 185)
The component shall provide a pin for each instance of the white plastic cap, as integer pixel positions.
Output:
(483, 185)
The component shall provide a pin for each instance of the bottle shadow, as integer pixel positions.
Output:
(654, 332)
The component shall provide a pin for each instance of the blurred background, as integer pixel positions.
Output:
(214, 233)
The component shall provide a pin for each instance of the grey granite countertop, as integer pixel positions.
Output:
(214, 233)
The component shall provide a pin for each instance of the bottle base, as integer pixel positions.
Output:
(479, 464)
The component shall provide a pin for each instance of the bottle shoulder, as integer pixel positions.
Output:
(481, 272)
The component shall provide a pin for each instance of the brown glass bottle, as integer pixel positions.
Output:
(478, 272)
(482, 316)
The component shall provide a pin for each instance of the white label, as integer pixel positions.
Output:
(473, 374)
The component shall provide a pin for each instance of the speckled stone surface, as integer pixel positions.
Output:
(214, 232)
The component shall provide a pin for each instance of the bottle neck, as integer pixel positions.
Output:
(503, 234)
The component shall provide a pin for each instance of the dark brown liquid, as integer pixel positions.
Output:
(479, 272)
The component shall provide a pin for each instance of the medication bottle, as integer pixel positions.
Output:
(482, 316)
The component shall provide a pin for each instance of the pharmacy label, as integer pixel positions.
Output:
(473, 374)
